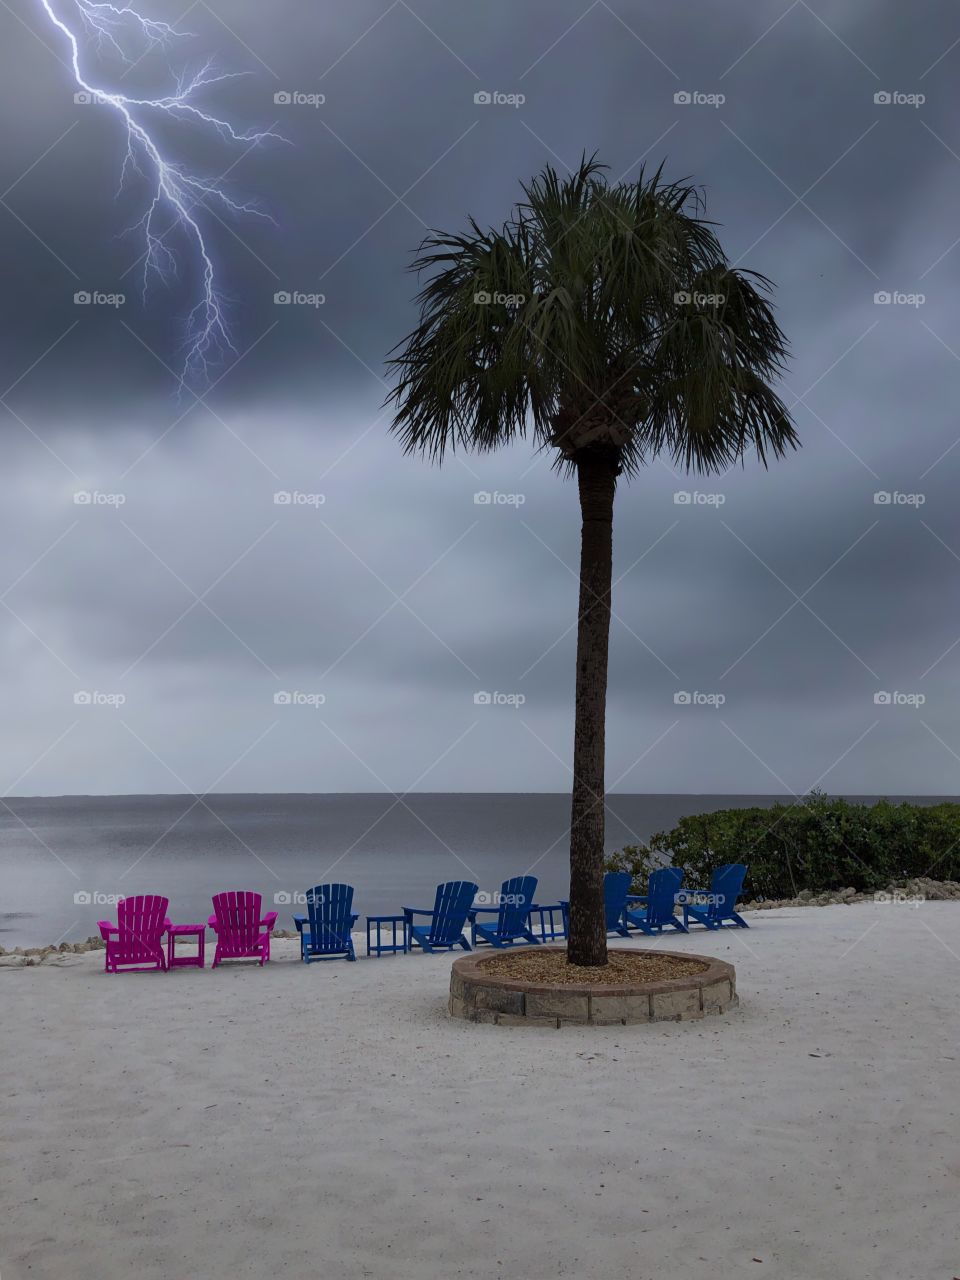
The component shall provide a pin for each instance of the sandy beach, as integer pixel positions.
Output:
(292, 1120)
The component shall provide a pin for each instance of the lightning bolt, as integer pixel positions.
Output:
(175, 193)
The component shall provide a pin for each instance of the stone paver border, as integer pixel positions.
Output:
(481, 996)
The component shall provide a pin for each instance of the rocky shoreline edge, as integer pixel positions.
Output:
(21, 956)
(904, 893)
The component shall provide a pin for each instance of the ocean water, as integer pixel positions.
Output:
(64, 860)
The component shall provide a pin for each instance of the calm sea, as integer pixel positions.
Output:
(64, 860)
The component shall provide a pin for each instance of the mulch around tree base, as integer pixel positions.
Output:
(624, 968)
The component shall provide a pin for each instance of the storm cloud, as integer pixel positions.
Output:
(384, 596)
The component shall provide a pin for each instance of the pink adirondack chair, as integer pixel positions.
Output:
(240, 931)
(135, 940)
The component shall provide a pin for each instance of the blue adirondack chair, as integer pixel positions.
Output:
(325, 931)
(719, 910)
(656, 911)
(512, 912)
(616, 886)
(447, 919)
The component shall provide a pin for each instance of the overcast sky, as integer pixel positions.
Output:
(793, 595)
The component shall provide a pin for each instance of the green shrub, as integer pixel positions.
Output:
(818, 843)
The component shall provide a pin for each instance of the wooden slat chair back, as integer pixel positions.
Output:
(136, 939)
(657, 910)
(662, 889)
(616, 886)
(516, 897)
(450, 908)
(330, 918)
(241, 933)
(725, 886)
(513, 915)
(447, 919)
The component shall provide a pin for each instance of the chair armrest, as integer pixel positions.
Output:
(300, 921)
(212, 922)
(106, 928)
(354, 917)
(475, 911)
(269, 920)
(417, 911)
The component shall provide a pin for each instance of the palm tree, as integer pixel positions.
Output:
(606, 321)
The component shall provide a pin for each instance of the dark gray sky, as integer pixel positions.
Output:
(798, 598)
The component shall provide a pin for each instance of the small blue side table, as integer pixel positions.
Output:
(554, 930)
(376, 946)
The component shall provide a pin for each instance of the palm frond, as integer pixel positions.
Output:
(595, 313)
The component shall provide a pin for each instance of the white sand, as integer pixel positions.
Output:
(333, 1121)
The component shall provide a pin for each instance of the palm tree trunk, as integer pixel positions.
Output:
(597, 477)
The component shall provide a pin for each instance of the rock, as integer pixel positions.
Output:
(941, 891)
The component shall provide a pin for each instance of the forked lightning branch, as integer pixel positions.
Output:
(179, 203)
